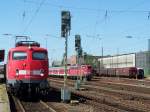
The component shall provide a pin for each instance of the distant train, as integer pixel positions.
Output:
(84, 71)
(2, 73)
(2, 66)
(130, 72)
(27, 68)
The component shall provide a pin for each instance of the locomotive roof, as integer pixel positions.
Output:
(24, 48)
(27, 45)
(62, 67)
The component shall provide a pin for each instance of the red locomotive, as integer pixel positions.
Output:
(130, 72)
(85, 71)
(27, 67)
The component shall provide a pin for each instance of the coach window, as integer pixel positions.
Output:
(39, 56)
(19, 55)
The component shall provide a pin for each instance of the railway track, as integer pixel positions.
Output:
(125, 105)
(47, 106)
(112, 99)
(17, 106)
(30, 106)
(97, 97)
(115, 85)
(122, 86)
(99, 106)
(138, 82)
(50, 103)
(120, 89)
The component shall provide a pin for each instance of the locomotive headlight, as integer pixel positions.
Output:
(42, 72)
(17, 72)
(29, 47)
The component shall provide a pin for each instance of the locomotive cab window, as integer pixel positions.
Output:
(39, 56)
(17, 55)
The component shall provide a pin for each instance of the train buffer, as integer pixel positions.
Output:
(4, 101)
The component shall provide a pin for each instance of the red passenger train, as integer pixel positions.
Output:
(27, 67)
(85, 71)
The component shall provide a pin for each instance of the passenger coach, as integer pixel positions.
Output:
(84, 71)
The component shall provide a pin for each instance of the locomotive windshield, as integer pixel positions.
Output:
(39, 56)
(17, 55)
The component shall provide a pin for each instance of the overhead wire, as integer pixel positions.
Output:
(34, 15)
(140, 11)
(24, 12)
(130, 10)
(148, 15)
(99, 10)
(104, 18)
(23, 16)
(94, 9)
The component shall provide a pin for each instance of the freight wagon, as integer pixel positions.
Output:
(130, 72)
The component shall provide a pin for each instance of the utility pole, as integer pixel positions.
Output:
(78, 59)
(118, 60)
(102, 56)
(65, 31)
(149, 56)
(66, 63)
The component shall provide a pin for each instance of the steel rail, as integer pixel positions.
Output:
(120, 105)
(19, 103)
(47, 106)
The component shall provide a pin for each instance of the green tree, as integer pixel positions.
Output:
(90, 60)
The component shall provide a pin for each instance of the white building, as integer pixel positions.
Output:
(118, 61)
(139, 60)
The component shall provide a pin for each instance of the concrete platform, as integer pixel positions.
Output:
(148, 78)
(4, 101)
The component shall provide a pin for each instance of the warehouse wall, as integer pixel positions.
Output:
(126, 60)
(140, 60)
(143, 61)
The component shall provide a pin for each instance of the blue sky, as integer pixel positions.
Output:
(89, 19)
